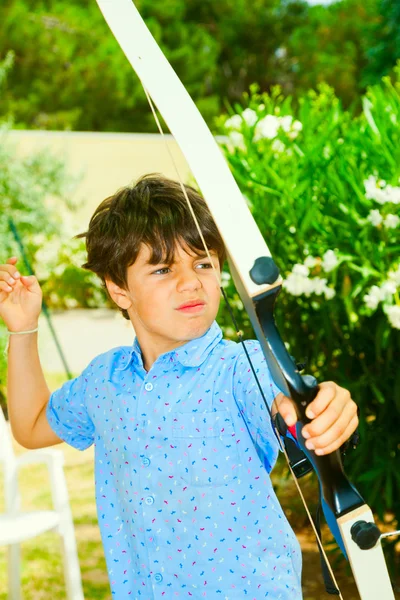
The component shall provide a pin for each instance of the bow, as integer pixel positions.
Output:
(258, 282)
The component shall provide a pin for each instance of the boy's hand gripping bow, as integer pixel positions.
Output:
(258, 282)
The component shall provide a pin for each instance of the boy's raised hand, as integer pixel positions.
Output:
(20, 298)
(333, 416)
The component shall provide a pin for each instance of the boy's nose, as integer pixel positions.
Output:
(188, 281)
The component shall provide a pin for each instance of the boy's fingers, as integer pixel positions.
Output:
(326, 393)
(324, 421)
(30, 282)
(4, 286)
(325, 430)
(342, 404)
(12, 260)
(286, 409)
(9, 273)
(332, 443)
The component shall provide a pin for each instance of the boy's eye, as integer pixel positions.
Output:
(162, 271)
(204, 265)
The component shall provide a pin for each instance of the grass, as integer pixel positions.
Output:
(42, 567)
(42, 570)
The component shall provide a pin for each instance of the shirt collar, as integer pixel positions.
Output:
(195, 352)
(191, 354)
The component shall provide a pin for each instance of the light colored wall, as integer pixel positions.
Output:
(105, 161)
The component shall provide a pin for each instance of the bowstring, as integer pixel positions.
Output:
(240, 336)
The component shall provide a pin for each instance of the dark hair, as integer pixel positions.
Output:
(153, 212)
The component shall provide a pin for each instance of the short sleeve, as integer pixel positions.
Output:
(67, 414)
(251, 403)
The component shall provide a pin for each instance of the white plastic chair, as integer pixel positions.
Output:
(17, 526)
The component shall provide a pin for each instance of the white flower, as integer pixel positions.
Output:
(329, 293)
(237, 140)
(250, 116)
(393, 314)
(267, 128)
(395, 276)
(292, 128)
(375, 217)
(392, 221)
(310, 262)
(380, 192)
(393, 194)
(318, 285)
(373, 298)
(372, 191)
(384, 294)
(296, 284)
(234, 122)
(278, 146)
(388, 288)
(297, 126)
(329, 261)
(301, 270)
(286, 123)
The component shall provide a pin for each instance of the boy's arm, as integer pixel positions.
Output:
(38, 419)
(28, 394)
(27, 391)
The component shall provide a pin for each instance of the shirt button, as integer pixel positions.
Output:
(148, 387)
(158, 577)
(146, 461)
(149, 500)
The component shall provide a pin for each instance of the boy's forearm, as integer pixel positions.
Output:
(27, 390)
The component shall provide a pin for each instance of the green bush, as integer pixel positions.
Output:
(323, 186)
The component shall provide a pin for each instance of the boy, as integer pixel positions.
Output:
(183, 442)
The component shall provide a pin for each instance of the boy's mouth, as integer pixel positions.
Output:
(191, 306)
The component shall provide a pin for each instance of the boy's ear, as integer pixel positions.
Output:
(118, 294)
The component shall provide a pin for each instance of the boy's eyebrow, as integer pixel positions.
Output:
(204, 254)
(200, 254)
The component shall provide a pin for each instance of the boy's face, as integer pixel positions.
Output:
(170, 304)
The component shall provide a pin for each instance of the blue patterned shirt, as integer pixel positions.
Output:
(183, 452)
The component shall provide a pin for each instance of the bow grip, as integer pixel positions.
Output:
(338, 493)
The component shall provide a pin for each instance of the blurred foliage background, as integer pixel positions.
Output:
(217, 48)
(309, 99)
